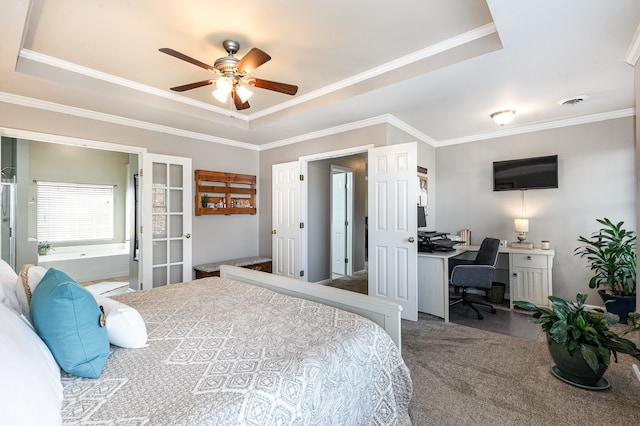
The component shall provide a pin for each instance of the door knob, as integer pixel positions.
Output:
(186, 235)
(411, 239)
(273, 232)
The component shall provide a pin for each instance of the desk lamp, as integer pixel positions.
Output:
(522, 227)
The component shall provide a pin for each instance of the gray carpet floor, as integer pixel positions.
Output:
(466, 376)
(497, 372)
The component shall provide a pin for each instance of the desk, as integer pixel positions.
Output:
(529, 273)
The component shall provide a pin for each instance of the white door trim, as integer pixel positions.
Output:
(304, 190)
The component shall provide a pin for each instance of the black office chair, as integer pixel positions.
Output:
(478, 274)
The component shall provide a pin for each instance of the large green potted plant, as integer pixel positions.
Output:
(581, 341)
(611, 254)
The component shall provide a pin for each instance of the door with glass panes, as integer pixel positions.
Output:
(166, 220)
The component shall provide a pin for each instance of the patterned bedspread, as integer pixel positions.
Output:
(222, 352)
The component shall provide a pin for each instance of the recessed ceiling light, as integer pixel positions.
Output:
(573, 101)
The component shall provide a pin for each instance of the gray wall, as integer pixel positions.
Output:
(375, 135)
(63, 163)
(215, 237)
(596, 179)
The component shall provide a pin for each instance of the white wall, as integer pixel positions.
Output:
(596, 179)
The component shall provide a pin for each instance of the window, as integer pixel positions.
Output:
(74, 212)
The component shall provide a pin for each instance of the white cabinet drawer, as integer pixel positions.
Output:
(529, 260)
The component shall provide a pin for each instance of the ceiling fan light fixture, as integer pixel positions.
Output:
(220, 95)
(503, 117)
(224, 84)
(243, 93)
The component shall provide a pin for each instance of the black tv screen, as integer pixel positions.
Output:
(526, 173)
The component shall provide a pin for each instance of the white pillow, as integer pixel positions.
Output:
(33, 276)
(125, 325)
(6, 272)
(8, 286)
(31, 392)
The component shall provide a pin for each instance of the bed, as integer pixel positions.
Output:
(250, 348)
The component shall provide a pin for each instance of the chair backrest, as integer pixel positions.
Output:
(488, 253)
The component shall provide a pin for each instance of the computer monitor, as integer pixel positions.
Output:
(422, 217)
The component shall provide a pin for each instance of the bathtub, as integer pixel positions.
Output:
(89, 263)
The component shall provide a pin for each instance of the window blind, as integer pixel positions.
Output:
(74, 212)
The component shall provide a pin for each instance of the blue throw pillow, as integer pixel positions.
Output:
(67, 318)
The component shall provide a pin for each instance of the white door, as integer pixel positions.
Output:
(285, 218)
(393, 226)
(167, 206)
(339, 223)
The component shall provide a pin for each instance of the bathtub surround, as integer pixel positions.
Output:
(90, 263)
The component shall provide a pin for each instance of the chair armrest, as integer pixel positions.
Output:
(480, 276)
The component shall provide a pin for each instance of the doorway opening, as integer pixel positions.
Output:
(34, 157)
(326, 235)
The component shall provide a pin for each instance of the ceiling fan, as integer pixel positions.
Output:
(233, 74)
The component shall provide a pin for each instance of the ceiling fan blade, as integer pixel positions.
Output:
(288, 89)
(252, 60)
(238, 103)
(184, 57)
(192, 86)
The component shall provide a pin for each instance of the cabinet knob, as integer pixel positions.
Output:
(528, 257)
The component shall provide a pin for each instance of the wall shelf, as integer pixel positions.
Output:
(229, 193)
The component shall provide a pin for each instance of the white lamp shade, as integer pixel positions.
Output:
(223, 88)
(224, 84)
(220, 95)
(521, 225)
(243, 93)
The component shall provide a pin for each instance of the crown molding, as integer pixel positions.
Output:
(403, 61)
(89, 72)
(355, 125)
(381, 119)
(629, 112)
(633, 52)
(396, 122)
(114, 119)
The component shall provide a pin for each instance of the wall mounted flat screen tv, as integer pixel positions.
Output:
(526, 173)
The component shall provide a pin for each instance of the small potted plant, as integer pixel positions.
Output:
(44, 247)
(581, 341)
(204, 200)
(611, 255)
